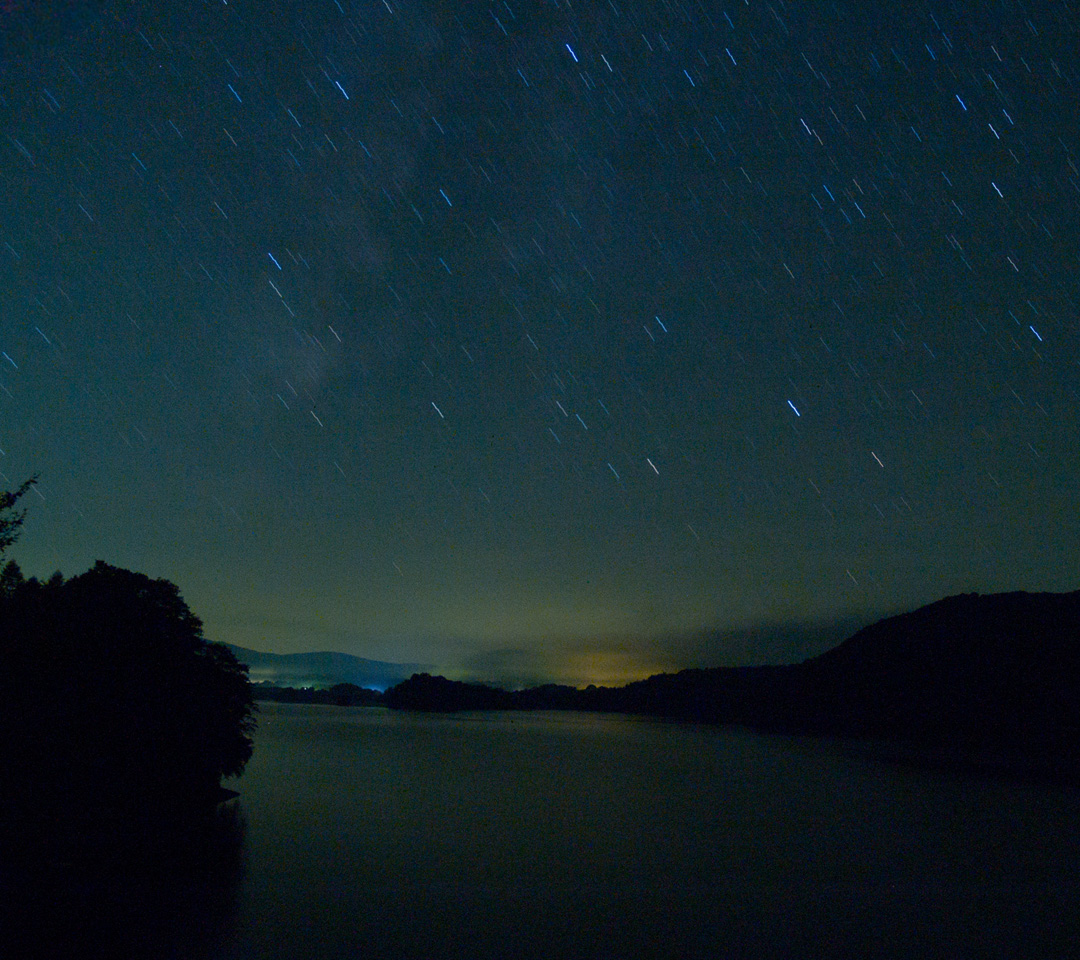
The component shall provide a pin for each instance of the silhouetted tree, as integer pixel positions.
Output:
(10, 520)
(11, 578)
(117, 714)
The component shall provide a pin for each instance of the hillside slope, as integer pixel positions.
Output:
(992, 678)
(323, 669)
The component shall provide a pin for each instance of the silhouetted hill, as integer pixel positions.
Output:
(993, 677)
(425, 692)
(1003, 667)
(322, 669)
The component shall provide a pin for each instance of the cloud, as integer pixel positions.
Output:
(765, 643)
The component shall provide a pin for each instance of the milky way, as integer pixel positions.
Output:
(541, 340)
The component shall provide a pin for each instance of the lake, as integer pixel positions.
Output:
(370, 833)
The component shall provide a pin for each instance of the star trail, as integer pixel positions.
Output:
(543, 340)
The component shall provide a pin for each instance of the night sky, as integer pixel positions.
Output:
(549, 339)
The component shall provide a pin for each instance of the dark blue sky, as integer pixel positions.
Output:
(544, 340)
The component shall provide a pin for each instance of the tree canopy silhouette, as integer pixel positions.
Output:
(117, 714)
(10, 524)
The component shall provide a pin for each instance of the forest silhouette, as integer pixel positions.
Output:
(119, 718)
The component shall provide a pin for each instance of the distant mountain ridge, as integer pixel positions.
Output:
(1003, 666)
(991, 681)
(322, 669)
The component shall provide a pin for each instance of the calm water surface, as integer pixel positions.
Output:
(372, 834)
(380, 834)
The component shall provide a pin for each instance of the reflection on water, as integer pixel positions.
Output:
(176, 899)
(376, 834)
(566, 835)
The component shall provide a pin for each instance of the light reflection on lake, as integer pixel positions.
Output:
(380, 834)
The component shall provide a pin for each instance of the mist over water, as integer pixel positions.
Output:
(371, 833)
